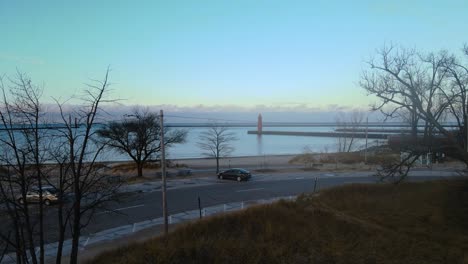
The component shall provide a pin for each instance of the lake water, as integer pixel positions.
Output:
(254, 145)
(245, 145)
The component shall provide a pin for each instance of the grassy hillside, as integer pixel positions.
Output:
(409, 223)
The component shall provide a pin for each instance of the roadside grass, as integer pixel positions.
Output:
(380, 223)
(343, 160)
(131, 166)
(136, 179)
(265, 170)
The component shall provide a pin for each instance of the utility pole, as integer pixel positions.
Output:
(466, 127)
(367, 128)
(163, 172)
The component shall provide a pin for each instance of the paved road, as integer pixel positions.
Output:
(138, 207)
(183, 195)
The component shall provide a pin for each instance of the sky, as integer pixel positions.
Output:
(219, 56)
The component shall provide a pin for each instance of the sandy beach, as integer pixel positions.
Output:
(268, 163)
(233, 162)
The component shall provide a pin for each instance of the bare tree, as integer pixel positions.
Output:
(63, 185)
(411, 118)
(309, 158)
(29, 148)
(429, 86)
(90, 188)
(139, 137)
(21, 158)
(348, 122)
(216, 142)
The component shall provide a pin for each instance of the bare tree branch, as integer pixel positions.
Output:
(216, 142)
(425, 89)
(139, 137)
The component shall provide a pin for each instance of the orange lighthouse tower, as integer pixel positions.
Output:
(259, 124)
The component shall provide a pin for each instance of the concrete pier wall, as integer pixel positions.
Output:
(319, 134)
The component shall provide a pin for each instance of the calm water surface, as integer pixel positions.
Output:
(245, 145)
(254, 145)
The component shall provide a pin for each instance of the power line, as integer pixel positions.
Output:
(211, 119)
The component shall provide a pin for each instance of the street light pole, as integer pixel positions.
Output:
(163, 173)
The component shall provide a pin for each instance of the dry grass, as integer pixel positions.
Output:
(382, 158)
(131, 166)
(343, 159)
(265, 170)
(136, 179)
(409, 223)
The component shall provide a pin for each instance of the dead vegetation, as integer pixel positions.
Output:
(342, 160)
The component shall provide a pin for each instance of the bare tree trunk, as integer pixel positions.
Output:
(76, 232)
(58, 258)
(465, 132)
(61, 221)
(414, 124)
(140, 169)
(350, 143)
(41, 204)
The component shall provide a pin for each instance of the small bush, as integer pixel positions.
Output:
(343, 157)
(305, 158)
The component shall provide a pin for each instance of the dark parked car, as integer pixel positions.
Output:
(235, 174)
(49, 195)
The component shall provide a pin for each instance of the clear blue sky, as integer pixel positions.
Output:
(303, 54)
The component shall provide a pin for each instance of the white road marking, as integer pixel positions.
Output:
(86, 243)
(120, 209)
(299, 178)
(249, 190)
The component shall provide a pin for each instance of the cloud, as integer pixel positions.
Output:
(201, 108)
(228, 113)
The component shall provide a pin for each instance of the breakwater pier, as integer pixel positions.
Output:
(319, 134)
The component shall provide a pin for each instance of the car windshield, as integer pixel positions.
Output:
(51, 190)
